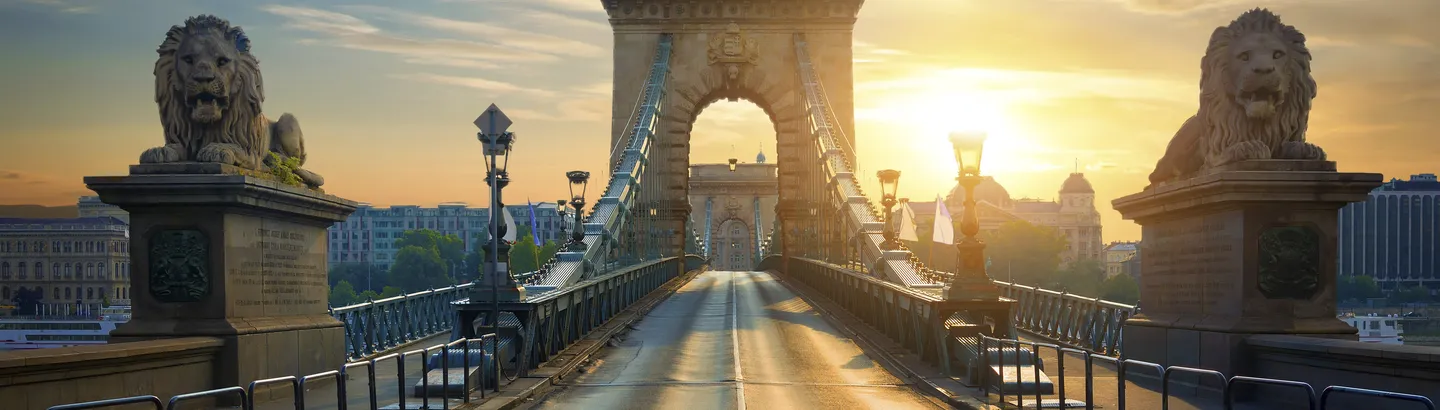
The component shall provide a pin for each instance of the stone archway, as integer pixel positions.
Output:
(732, 242)
(733, 49)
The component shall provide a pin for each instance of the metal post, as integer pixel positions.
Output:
(494, 254)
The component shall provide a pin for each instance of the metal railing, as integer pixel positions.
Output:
(1089, 323)
(1222, 388)
(375, 326)
(245, 397)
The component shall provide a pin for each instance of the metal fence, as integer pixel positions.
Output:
(1018, 352)
(1089, 323)
(244, 397)
(375, 326)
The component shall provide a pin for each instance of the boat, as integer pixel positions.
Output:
(81, 327)
(1376, 329)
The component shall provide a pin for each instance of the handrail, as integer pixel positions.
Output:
(611, 211)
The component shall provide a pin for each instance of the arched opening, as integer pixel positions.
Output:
(732, 129)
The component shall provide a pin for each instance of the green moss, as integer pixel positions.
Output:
(283, 170)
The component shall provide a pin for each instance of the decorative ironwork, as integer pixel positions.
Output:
(1289, 262)
(179, 265)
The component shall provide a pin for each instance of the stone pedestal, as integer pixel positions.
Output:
(1244, 249)
(219, 253)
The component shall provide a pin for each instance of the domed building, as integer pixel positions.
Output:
(1074, 214)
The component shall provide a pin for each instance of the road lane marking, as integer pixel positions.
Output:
(735, 342)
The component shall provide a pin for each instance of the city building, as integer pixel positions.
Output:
(1394, 235)
(741, 205)
(369, 234)
(72, 261)
(90, 206)
(1074, 214)
(1116, 254)
(1131, 265)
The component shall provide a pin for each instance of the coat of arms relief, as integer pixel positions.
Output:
(735, 50)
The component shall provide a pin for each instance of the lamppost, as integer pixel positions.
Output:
(889, 183)
(578, 181)
(733, 161)
(560, 209)
(497, 275)
(970, 280)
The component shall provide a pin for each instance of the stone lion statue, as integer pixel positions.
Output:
(1255, 92)
(209, 90)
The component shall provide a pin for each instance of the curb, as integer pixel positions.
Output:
(921, 383)
(545, 378)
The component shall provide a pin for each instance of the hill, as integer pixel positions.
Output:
(37, 211)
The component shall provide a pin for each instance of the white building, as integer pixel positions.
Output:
(91, 207)
(369, 234)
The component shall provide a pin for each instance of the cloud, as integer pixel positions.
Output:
(583, 109)
(475, 82)
(67, 6)
(347, 31)
(12, 175)
(489, 31)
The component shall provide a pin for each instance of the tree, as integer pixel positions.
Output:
(1413, 294)
(1083, 277)
(27, 301)
(1356, 288)
(1031, 253)
(343, 294)
(367, 296)
(390, 292)
(548, 251)
(416, 269)
(450, 248)
(1120, 288)
(357, 273)
(524, 255)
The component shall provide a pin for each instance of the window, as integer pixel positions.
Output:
(68, 247)
(89, 271)
(57, 293)
(100, 270)
(23, 247)
(5, 272)
(20, 270)
(39, 270)
(5, 292)
(89, 293)
(69, 273)
(67, 293)
(89, 247)
(55, 246)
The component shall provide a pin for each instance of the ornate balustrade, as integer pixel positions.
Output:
(1088, 323)
(375, 326)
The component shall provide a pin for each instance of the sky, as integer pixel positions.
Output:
(386, 91)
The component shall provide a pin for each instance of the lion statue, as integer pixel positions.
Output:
(209, 90)
(1255, 92)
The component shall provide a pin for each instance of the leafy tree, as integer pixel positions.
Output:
(390, 292)
(416, 269)
(450, 247)
(343, 294)
(358, 274)
(1356, 288)
(524, 255)
(1031, 253)
(1413, 294)
(1120, 288)
(27, 301)
(548, 251)
(367, 296)
(1084, 277)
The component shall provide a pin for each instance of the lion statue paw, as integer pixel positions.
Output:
(228, 154)
(1300, 150)
(1245, 151)
(163, 155)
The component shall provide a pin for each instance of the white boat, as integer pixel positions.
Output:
(1377, 329)
(47, 331)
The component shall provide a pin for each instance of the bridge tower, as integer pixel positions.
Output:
(733, 49)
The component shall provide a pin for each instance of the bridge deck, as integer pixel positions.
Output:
(731, 340)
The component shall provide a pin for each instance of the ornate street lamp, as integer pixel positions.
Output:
(732, 164)
(578, 182)
(498, 278)
(560, 209)
(889, 183)
(970, 280)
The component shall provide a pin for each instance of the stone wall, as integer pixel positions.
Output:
(37, 379)
(1329, 362)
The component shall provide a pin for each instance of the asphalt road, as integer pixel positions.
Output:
(732, 340)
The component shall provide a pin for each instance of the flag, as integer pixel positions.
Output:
(510, 228)
(534, 233)
(907, 223)
(944, 231)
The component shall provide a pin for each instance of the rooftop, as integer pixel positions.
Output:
(1421, 182)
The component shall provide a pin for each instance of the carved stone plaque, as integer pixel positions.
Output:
(733, 49)
(1289, 262)
(179, 265)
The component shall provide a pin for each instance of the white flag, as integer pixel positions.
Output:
(907, 224)
(944, 231)
(510, 228)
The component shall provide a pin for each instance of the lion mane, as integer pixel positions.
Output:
(1247, 110)
(242, 136)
